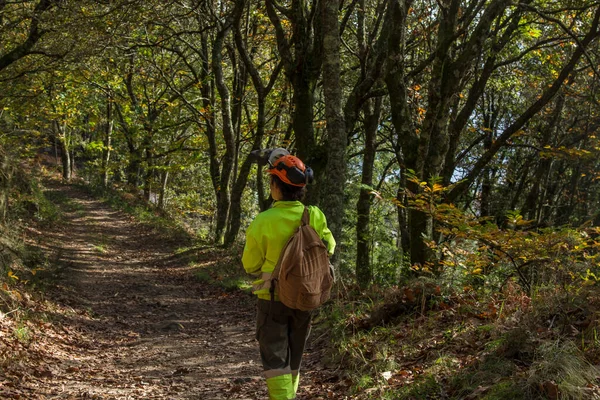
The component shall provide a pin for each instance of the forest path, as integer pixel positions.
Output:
(137, 324)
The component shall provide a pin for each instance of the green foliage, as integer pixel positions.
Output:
(23, 334)
(389, 264)
(504, 353)
(31, 200)
(477, 253)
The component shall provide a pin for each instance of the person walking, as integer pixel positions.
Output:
(281, 331)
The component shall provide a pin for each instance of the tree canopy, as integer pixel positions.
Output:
(485, 107)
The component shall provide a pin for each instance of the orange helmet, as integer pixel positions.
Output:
(291, 170)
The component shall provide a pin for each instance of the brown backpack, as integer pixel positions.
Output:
(303, 276)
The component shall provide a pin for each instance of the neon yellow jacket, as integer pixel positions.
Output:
(270, 231)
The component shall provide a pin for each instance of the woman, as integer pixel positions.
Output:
(281, 331)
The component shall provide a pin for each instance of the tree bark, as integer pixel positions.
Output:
(6, 174)
(223, 199)
(209, 104)
(534, 201)
(364, 268)
(333, 203)
(107, 141)
(489, 127)
(60, 131)
(163, 186)
(401, 118)
(149, 173)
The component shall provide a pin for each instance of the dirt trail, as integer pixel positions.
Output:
(137, 324)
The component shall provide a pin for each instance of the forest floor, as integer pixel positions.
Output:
(126, 318)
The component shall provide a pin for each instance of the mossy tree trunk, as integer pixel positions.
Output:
(364, 240)
(223, 194)
(6, 173)
(106, 148)
(333, 202)
(63, 141)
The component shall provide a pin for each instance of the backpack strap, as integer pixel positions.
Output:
(306, 217)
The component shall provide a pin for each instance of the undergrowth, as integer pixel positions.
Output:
(464, 345)
(499, 313)
(32, 206)
(24, 268)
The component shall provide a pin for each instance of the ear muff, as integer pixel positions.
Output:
(292, 174)
(310, 175)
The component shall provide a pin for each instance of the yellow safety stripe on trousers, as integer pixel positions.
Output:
(281, 387)
(295, 380)
(272, 373)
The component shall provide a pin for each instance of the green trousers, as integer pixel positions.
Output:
(281, 333)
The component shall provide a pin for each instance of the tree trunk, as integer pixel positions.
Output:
(209, 103)
(223, 199)
(333, 203)
(302, 123)
(63, 143)
(239, 94)
(534, 201)
(6, 173)
(248, 68)
(401, 117)
(515, 190)
(485, 209)
(107, 141)
(148, 174)
(238, 188)
(163, 186)
(403, 226)
(364, 269)
(489, 126)
(134, 168)
(73, 166)
(565, 214)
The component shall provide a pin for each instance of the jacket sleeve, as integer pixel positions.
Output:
(320, 224)
(253, 256)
